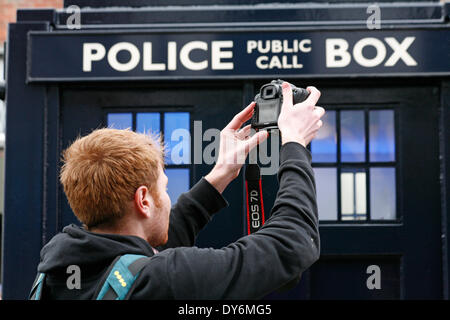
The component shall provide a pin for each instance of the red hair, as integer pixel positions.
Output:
(101, 172)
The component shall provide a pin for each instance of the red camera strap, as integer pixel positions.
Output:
(254, 198)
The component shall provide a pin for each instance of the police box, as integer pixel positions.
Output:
(381, 160)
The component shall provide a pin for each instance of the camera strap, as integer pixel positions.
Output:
(254, 198)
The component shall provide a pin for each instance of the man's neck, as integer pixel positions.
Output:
(122, 230)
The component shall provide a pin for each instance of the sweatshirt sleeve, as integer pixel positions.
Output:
(264, 261)
(191, 213)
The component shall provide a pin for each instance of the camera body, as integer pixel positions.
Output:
(269, 101)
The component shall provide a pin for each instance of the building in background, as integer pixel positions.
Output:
(381, 161)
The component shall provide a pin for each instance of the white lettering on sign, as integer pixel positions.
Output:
(172, 55)
(185, 52)
(338, 55)
(149, 65)
(92, 52)
(220, 54)
(289, 49)
(286, 62)
(273, 54)
(400, 51)
(217, 54)
(279, 46)
(363, 61)
(126, 66)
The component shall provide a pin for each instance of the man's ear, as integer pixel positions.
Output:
(143, 201)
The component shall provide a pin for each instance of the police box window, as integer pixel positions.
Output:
(175, 128)
(354, 159)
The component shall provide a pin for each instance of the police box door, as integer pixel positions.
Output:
(376, 164)
(191, 114)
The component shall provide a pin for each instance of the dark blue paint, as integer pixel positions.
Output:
(24, 170)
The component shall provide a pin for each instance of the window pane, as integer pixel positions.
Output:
(353, 195)
(382, 136)
(323, 147)
(326, 186)
(382, 194)
(347, 194)
(361, 195)
(178, 182)
(147, 122)
(353, 146)
(120, 120)
(177, 137)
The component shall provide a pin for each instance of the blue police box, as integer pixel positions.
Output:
(381, 161)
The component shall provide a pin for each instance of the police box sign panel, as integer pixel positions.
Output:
(72, 56)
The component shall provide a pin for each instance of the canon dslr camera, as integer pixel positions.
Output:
(269, 101)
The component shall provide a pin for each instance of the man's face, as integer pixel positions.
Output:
(160, 225)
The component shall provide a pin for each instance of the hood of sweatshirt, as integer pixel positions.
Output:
(77, 246)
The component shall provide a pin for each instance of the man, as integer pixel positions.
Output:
(116, 186)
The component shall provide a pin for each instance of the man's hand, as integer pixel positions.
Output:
(299, 123)
(235, 144)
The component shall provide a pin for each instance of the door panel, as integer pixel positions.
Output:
(408, 249)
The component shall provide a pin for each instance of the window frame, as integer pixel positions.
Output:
(161, 110)
(365, 165)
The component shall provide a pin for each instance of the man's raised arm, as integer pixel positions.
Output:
(194, 208)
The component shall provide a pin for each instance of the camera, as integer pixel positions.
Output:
(269, 101)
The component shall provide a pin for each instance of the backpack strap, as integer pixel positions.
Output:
(36, 289)
(121, 275)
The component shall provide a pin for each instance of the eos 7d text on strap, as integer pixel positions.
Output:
(254, 198)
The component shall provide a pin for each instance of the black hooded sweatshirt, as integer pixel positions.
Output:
(250, 268)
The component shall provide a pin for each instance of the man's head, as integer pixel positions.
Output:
(114, 179)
